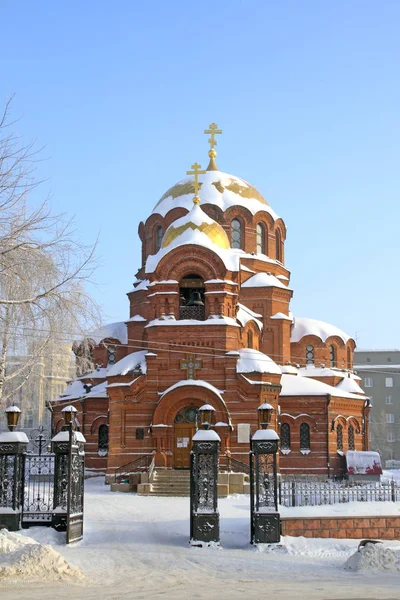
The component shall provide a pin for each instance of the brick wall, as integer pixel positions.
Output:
(382, 527)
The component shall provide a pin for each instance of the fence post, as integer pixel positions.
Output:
(393, 491)
(293, 493)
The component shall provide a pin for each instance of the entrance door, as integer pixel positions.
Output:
(184, 430)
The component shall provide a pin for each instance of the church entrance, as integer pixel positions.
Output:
(184, 430)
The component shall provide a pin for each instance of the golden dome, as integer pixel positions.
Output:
(196, 220)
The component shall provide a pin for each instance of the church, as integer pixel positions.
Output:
(210, 323)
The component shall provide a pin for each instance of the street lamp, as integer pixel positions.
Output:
(265, 414)
(13, 414)
(206, 413)
(69, 413)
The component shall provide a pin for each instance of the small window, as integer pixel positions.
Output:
(389, 382)
(304, 436)
(158, 238)
(262, 239)
(309, 355)
(368, 382)
(249, 339)
(111, 355)
(339, 437)
(332, 355)
(368, 360)
(236, 234)
(278, 244)
(389, 418)
(351, 437)
(285, 436)
(140, 433)
(388, 399)
(389, 359)
(103, 440)
(391, 436)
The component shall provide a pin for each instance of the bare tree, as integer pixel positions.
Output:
(43, 270)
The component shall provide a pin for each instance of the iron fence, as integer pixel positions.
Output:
(38, 489)
(317, 493)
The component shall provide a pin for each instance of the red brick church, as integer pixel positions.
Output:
(210, 322)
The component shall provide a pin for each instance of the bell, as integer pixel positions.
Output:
(195, 299)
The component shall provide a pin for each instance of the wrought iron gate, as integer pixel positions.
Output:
(75, 490)
(38, 489)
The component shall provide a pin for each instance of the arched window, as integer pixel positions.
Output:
(236, 234)
(332, 356)
(304, 436)
(192, 298)
(339, 437)
(102, 444)
(351, 437)
(158, 238)
(262, 239)
(348, 357)
(309, 355)
(285, 436)
(249, 339)
(278, 244)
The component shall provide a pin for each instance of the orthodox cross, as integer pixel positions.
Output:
(190, 365)
(196, 172)
(213, 131)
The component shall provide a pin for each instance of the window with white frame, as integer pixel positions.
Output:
(368, 382)
(388, 399)
(389, 382)
(390, 436)
(389, 418)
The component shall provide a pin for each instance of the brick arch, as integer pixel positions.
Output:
(279, 224)
(256, 333)
(298, 420)
(356, 424)
(264, 217)
(179, 398)
(100, 420)
(339, 420)
(178, 263)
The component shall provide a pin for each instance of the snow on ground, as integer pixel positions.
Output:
(137, 547)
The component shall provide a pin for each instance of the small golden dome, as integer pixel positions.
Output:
(196, 220)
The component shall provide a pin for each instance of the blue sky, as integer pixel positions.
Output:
(307, 93)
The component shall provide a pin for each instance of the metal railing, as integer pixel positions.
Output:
(143, 464)
(228, 463)
(318, 493)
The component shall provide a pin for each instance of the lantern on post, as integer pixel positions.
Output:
(204, 516)
(68, 447)
(265, 519)
(13, 445)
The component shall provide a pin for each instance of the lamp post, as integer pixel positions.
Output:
(204, 516)
(265, 519)
(13, 445)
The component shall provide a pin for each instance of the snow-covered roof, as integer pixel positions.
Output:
(99, 373)
(265, 434)
(306, 386)
(264, 280)
(244, 315)
(74, 390)
(129, 363)
(136, 318)
(163, 282)
(195, 383)
(212, 320)
(141, 285)
(315, 371)
(348, 384)
(14, 436)
(253, 361)
(217, 188)
(281, 315)
(98, 391)
(116, 330)
(303, 326)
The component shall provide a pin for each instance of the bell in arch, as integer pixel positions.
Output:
(195, 299)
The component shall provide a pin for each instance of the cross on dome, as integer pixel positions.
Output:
(212, 153)
(196, 172)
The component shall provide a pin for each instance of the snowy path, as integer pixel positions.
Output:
(137, 547)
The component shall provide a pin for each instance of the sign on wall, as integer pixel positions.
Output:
(243, 433)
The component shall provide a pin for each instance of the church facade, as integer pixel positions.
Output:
(210, 322)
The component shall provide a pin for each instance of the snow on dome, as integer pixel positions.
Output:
(253, 361)
(264, 280)
(129, 363)
(210, 236)
(217, 188)
(303, 326)
(116, 330)
(196, 219)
